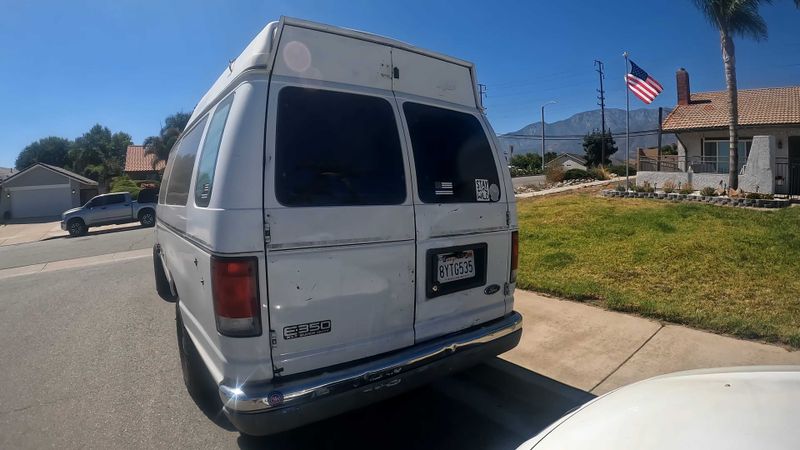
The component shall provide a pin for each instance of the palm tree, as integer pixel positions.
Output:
(160, 146)
(734, 18)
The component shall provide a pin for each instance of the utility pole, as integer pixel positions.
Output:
(551, 102)
(602, 98)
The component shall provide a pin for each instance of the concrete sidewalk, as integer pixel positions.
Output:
(574, 187)
(598, 350)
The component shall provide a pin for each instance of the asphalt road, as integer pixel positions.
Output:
(95, 243)
(89, 359)
(524, 181)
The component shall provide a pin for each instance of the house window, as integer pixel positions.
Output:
(715, 153)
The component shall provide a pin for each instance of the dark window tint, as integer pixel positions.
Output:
(115, 199)
(208, 157)
(95, 202)
(336, 149)
(453, 159)
(181, 175)
(162, 193)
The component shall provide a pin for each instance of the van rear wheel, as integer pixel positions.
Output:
(196, 377)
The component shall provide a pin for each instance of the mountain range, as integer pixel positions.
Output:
(642, 119)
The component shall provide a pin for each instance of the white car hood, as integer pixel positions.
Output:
(735, 408)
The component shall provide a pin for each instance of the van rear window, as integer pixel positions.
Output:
(453, 159)
(337, 149)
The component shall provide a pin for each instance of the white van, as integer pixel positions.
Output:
(336, 225)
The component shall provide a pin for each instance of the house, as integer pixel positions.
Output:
(769, 139)
(139, 166)
(568, 161)
(42, 190)
(649, 159)
(5, 172)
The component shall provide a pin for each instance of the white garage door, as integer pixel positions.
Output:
(40, 202)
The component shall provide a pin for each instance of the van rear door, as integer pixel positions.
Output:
(460, 199)
(338, 205)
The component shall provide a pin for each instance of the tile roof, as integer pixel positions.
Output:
(768, 106)
(137, 161)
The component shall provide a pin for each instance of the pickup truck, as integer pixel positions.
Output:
(108, 209)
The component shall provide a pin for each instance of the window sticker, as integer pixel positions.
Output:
(482, 190)
(494, 192)
(443, 188)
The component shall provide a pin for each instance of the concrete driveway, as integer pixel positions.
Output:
(22, 232)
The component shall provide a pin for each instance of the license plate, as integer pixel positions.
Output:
(455, 266)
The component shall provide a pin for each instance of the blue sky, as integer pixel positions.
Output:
(127, 64)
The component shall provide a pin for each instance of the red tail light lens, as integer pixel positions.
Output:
(234, 287)
(514, 256)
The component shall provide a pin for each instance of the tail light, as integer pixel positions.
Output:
(514, 256)
(234, 287)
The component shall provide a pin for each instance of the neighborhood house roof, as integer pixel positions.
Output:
(560, 158)
(137, 161)
(768, 106)
(59, 170)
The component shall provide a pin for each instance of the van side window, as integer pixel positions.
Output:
(453, 158)
(182, 167)
(337, 149)
(204, 180)
(162, 191)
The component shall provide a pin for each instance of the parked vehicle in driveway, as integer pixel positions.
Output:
(708, 409)
(108, 209)
(337, 226)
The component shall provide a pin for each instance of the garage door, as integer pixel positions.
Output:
(44, 202)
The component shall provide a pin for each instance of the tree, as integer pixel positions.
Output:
(99, 154)
(734, 18)
(51, 150)
(160, 146)
(526, 163)
(593, 148)
(671, 149)
(549, 156)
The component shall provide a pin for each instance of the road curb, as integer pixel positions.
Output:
(74, 263)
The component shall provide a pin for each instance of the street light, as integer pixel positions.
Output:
(551, 102)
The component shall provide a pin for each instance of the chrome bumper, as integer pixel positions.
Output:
(373, 375)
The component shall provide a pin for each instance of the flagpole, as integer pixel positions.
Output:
(627, 126)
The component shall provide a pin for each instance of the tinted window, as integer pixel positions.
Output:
(95, 202)
(162, 193)
(335, 149)
(208, 156)
(115, 199)
(453, 159)
(181, 175)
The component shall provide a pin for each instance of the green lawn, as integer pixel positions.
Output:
(724, 269)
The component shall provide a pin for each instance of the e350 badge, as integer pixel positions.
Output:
(306, 329)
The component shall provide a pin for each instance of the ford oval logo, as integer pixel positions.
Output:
(491, 289)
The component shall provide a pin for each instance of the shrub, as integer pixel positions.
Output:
(599, 173)
(124, 184)
(554, 173)
(757, 196)
(669, 187)
(708, 191)
(619, 170)
(686, 189)
(644, 187)
(576, 174)
(620, 187)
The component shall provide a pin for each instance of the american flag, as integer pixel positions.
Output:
(642, 85)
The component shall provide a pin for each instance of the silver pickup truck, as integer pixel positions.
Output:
(108, 209)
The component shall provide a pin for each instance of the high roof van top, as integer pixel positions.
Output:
(335, 225)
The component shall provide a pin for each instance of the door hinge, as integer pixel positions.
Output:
(273, 339)
(506, 289)
(508, 218)
(267, 237)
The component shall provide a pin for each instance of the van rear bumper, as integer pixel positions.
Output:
(268, 408)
